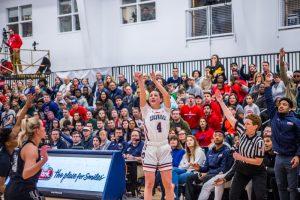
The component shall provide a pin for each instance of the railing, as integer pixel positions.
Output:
(292, 58)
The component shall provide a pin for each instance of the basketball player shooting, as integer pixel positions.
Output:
(157, 152)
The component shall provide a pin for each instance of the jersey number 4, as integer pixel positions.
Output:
(159, 127)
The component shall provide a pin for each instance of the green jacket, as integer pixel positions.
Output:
(182, 124)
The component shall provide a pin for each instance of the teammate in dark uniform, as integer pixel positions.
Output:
(8, 142)
(27, 164)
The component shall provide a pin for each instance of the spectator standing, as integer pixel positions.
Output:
(15, 43)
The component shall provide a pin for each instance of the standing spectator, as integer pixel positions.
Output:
(50, 105)
(114, 91)
(175, 79)
(191, 113)
(206, 82)
(129, 98)
(291, 83)
(178, 122)
(65, 87)
(238, 86)
(56, 142)
(14, 43)
(285, 139)
(122, 81)
(216, 68)
(95, 85)
(220, 85)
(8, 116)
(266, 69)
(29, 87)
(251, 73)
(251, 108)
(278, 88)
(78, 109)
(80, 99)
(88, 96)
(55, 87)
(194, 88)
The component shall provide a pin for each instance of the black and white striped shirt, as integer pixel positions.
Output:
(250, 147)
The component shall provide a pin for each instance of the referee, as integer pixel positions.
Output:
(249, 160)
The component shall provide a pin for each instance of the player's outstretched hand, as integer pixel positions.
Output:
(153, 77)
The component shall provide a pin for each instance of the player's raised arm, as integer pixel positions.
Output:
(165, 94)
(141, 84)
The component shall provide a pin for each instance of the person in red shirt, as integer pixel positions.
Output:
(215, 107)
(15, 42)
(78, 109)
(239, 86)
(205, 134)
(212, 120)
(191, 113)
(224, 88)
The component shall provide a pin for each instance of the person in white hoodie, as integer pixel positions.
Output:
(194, 156)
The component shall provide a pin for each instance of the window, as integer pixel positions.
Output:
(289, 13)
(137, 11)
(20, 20)
(68, 17)
(209, 18)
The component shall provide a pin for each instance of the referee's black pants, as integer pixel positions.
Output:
(240, 180)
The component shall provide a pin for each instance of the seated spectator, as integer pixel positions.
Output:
(137, 116)
(76, 138)
(56, 141)
(257, 80)
(206, 82)
(118, 143)
(65, 87)
(178, 122)
(238, 86)
(49, 121)
(215, 107)
(107, 103)
(182, 138)
(194, 156)
(205, 134)
(218, 160)
(87, 141)
(134, 147)
(76, 108)
(122, 81)
(129, 99)
(196, 74)
(126, 130)
(86, 93)
(100, 125)
(233, 102)
(90, 119)
(124, 115)
(212, 120)
(110, 128)
(250, 76)
(96, 143)
(102, 116)
(104, 142)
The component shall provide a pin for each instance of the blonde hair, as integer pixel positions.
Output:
(28, 130)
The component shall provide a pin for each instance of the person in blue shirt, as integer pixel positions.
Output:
(286, 143)
(50, 105)
(175, 79)
(118, 143)
(218, 160)
(135, 147)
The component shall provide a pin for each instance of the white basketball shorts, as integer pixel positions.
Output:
(157, 156)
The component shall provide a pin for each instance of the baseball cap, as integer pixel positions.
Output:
(73, 101)
(219, 131)
(86, 128)
(191, 78)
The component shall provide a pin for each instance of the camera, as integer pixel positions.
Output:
(4, 34)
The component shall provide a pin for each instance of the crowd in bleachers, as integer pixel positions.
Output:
(105, 115)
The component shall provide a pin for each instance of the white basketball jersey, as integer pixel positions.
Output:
(157, 123)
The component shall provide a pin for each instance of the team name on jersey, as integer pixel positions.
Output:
(158, 117)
